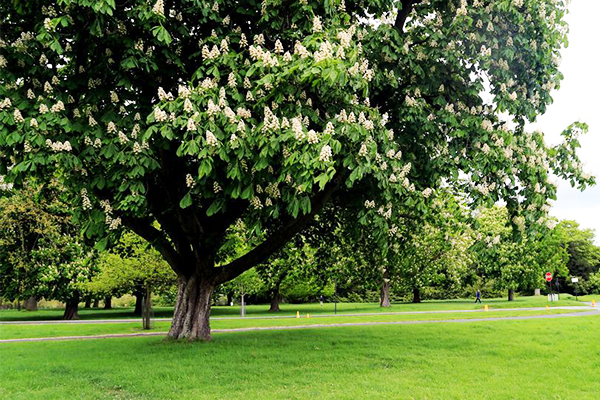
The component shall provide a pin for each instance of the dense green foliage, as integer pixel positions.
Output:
(41, 251)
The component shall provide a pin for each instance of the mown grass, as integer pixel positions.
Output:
(56, 330)
(534, 359)
(290, 309)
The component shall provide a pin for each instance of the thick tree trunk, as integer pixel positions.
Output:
(71, 309)
(88, 302)
(31, 304)
(139, 300)
(416, 295)
(384, 298)
(275, 299)
(511, 294)
(108, 303)
(191, 319)
(96, 303)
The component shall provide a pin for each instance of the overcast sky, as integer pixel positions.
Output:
(578, 99)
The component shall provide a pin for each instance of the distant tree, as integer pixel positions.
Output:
(584, 255)
(130, 267)
(42, 253)
(514, 260)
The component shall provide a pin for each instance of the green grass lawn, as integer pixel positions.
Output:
(535, 359)
(290, 309)
(55, 330)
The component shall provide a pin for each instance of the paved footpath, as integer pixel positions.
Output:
(589, 311)
(129, 320)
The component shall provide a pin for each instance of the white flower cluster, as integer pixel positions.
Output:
(317, 24)
(3, 185)
(256, 203)
(159, 8)
(87, 204)
(211, 139)
(6, 103)
(191, 125)
(313, 137)
(298, 129)
(325, 52)
(189, 181)
(58, 107)
(363, 150)
(427, 192)
(159, 115)
(17, 116)
(300, 50)
(59, 146)
(325, 155)
(487, 125)
(271, 122)
(369, 203)
(210, 54)
(162, 95)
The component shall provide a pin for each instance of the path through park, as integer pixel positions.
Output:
(585, 311)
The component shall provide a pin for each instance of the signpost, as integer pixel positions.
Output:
(575, 280)
(549, 280)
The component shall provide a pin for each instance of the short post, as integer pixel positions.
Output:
(335, 297)
(243, 309)
(486, 307)
(147, 309)
(297, 314)
(575, 282)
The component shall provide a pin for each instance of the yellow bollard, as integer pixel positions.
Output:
(307, 315)
(297, 314)
(547, 308)
(593, 303)
(486, 307)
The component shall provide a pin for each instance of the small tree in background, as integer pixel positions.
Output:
(41, 251)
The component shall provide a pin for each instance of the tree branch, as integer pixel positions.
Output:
(279, 238)
(403, 13)
(144, 228)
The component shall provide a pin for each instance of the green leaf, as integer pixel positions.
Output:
(186, 201)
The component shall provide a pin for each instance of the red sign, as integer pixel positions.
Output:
(548, 276)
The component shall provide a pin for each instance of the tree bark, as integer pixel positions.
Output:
(416, 295)
(511, 294)
(108, 303)
(72, 308)
(384, 298)
(139, 299)
(88, 302)
(31, 304)
(275, 299)
(96, 303)
(191, 319)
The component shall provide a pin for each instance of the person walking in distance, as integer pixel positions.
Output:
(478, 296)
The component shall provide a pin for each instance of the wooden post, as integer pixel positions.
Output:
(147, 308)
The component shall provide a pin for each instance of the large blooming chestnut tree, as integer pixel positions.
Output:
(179, 119)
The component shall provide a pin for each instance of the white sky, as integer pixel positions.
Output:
(578, 99)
